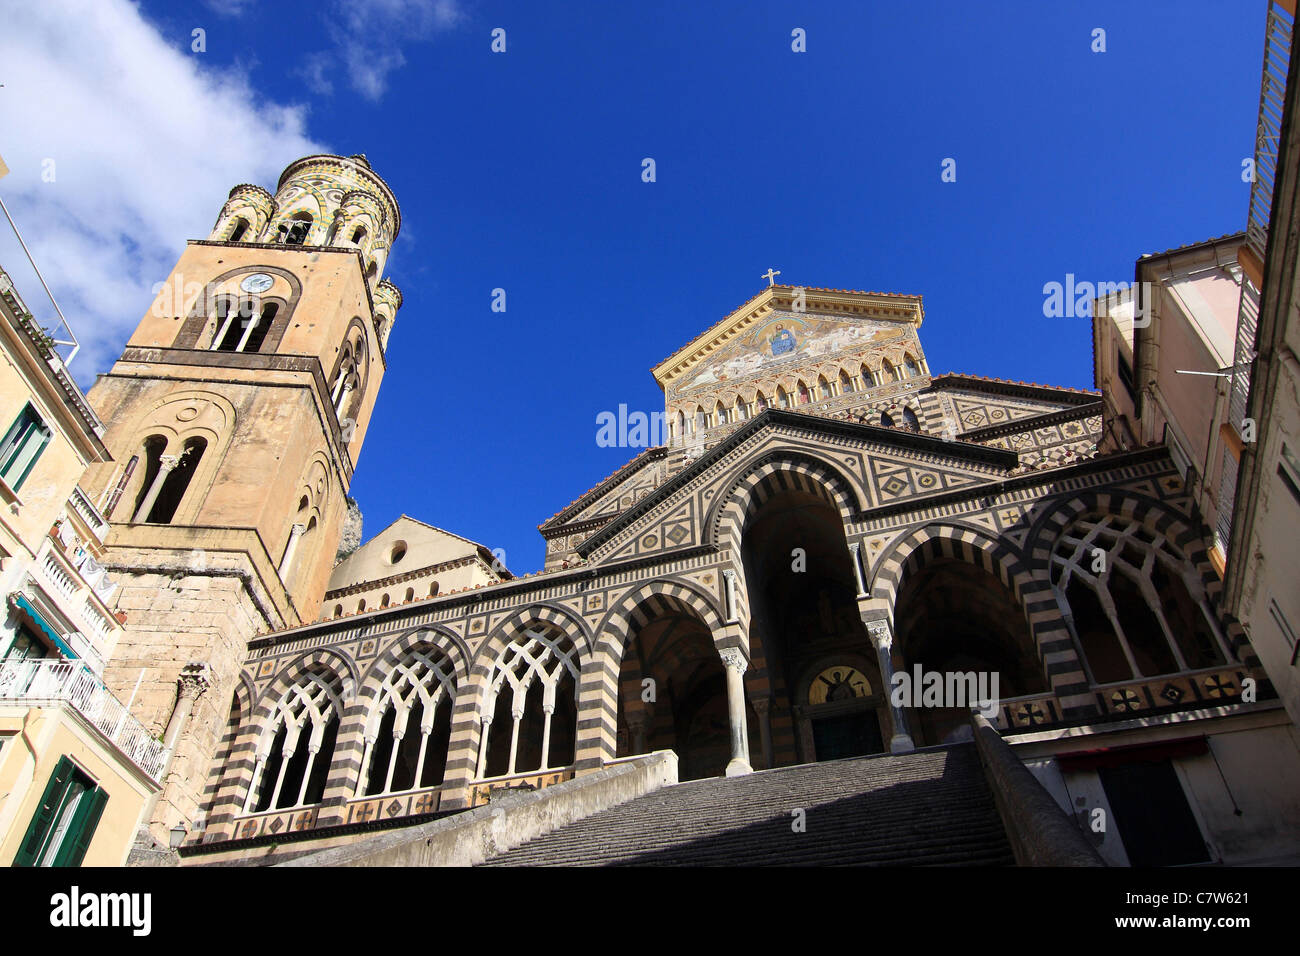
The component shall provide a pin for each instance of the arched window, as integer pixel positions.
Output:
(154, 446)
(846, 383)
(742, 412)
(720, 414)
(346, 389)
(241, 228)
(409, 728)
(242, 325)
(909, 363)
(885, 420)
(760, 403)
(681, 425)
(372, 270)
(294, 232)
(701, 423)
(868, 377)
(910, 420)
(531, 698)
(410, 594)
(433, 589)
(293, 758)
(887, 371)
(384, 601)
(803, 393)
(338, 610)
(782, 399)
(361, 605)
(1134, 604)
(823, 387)
(166, 482)
(358, 234)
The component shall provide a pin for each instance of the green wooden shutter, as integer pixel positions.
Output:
(51, 800)
(82, 829)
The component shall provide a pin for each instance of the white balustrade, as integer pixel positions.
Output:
(37, 681)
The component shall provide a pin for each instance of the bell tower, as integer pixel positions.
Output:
(237, 413)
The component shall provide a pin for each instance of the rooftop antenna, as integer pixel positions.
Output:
(71, 339)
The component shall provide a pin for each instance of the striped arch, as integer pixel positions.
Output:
(350, 752)
(1186, 534)
(643, 602)
(1056, 652)
(466, 719)
(598, 681)
(909, 401)
(305, 699)
(234, 760)
(331, 658)
(423, 672)
(760, 478)
(446, 640)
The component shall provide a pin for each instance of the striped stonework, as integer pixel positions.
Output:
(469, 717)
(221, 800)
(598, 684)
(1056, 653)
(770, 474)
(1184, 532)
(255, 741)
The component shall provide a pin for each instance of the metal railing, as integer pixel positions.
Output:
(36, 681)
(1279, 25)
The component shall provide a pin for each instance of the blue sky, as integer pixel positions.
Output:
(522, 171)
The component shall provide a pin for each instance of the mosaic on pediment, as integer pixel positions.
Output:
(785, 341)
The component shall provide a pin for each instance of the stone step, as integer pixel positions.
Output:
(932, 807)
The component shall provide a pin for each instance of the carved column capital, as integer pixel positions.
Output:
(760, 705)
(194, 679)
(734, 659)
(297, 531)
(880, 635)
(168, 462)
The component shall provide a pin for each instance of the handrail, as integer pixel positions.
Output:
(1039, 831)
(74, 683)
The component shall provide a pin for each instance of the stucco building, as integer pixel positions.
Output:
(76, 769)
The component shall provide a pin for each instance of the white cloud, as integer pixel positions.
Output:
(368, 36)
(146, 141)
(229, 8)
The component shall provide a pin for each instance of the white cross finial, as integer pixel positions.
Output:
(770, 276)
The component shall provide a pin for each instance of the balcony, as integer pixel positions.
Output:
(34, 683)
(70, 605)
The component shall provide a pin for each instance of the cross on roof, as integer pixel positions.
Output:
(770, 276)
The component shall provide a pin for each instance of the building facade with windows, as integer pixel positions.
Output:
(236, 414)
(1163, 361)
(826, 514)
(76, 769)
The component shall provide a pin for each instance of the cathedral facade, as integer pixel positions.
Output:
(827, 521)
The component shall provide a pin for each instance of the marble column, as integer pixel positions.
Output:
(165, 466)
(194, 679)
(857, 568)
(295, 535)
(735, 663)
(901, 740)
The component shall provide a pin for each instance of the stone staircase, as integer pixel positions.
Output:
(932, 807)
